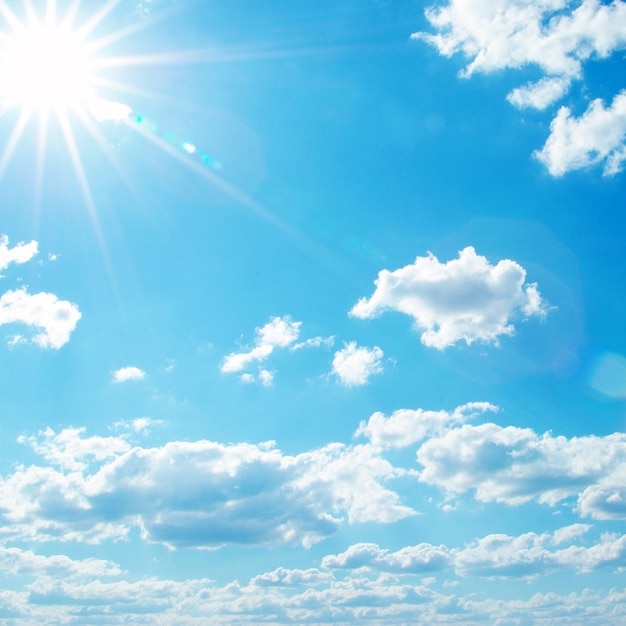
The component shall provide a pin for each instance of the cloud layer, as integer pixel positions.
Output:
(466, 299)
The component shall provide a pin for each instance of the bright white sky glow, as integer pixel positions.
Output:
(45, 66)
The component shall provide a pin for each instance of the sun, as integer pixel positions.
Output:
(45, 66)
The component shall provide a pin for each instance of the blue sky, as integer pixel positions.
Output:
(312, 312)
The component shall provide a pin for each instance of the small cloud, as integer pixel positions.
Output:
(354, 365)
(170, 365)
(128, 373)
(56, 318)
(597, 136)
(21, 253)
(279, 332)
(53, 257)
(466, 299)
(143, 424)
(266, 378)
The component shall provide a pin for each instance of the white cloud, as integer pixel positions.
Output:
(415, 559)
(140, 425)
(21, 253)
(197, 494)
(57, 318)
(128, 373)
(541, 94)
(405, 426)
(598, 136)
(315, 342)
(279, 332)
(69, 449)
(108, 110)
(515, 465)
(17, 562)
(354, 366)
(266, 378)
(557, 36)
(531, 554)
(466, 299)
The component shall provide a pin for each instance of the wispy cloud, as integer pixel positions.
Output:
(279, 332)
(466, 299)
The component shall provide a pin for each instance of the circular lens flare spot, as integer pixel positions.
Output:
(609, 375)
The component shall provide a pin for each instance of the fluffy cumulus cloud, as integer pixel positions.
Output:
(55, 318)
(557, 36)
(597, 136)
(198, 494)
(21, 253)
(354, 365)
(128, 373)
(515, 465)
(466, 299)
(407, 426)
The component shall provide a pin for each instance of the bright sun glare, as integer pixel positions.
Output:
(45, 67)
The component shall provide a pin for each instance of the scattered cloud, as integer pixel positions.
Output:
(56, 318)
(128, 373)
(466, 299)
(406, 426)
(279, 332)
(20, 253)
(556, 36)
(355, 365)
(195, 494)
(598, 136)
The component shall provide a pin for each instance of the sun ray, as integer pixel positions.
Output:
(16, 135)
(96, 18)
(79, 170)
(42, 140)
